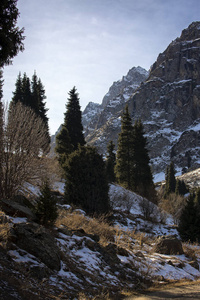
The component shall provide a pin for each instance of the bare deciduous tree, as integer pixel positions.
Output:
(25, 142)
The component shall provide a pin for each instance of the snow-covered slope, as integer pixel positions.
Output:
(122, 260)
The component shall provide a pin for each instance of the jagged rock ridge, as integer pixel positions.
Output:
(168, 103)
(113, 102)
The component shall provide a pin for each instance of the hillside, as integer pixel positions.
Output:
(82, 257)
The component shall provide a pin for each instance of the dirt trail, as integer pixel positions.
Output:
(182, 291)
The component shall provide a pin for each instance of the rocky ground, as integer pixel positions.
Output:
(82, 257)
(180, 291)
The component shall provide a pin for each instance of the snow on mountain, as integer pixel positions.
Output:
(118, 94)
(126, 86)
(90, 114)
(167, 102)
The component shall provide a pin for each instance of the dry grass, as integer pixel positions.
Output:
(191, 251)
(4, 229)
(103, 296)
(4, 234)
(173, 204)
(128, 239)
(98, 226)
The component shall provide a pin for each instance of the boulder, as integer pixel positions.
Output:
(36, 240)
(16, 209)
(168, 245)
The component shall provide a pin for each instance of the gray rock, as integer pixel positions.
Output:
(16, 209)
(37, 241)
(168, 245)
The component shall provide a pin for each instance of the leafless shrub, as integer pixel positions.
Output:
(173, 205)
(148, 209)
(25, 142)
(122, 200)
(189, 251)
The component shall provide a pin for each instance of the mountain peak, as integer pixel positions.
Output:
(167, 103)
(133, 78)
(191, 33)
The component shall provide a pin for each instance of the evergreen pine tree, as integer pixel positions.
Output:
(86, 183)
(166, 174)
(1, 131)
(35, 94)
(46, 210)
(141, 175)
(26, 91)
(181, 188)
(123, 167)
(18, 94)
(63, 145)
(71, 134)
(11, 37)
(38, 103)
(197, 198)
(110, 162)
(32, 94)
(170, 185)
(189, 223)
(73, 120)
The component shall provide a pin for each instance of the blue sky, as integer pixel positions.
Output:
(91, 43)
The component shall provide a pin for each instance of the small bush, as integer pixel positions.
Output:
(173, 205)
(122, 200)
(189, 252)
(86, 183)
(148, 209)
(46, 210)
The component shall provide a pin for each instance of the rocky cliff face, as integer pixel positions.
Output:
(104, 120)
(168, 103)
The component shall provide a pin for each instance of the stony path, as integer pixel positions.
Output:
(181, 291)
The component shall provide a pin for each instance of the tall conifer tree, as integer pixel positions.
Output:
(189, 223)
(141, 175)
(71, 134)
(26, 91)
(170, 186)
(73, 120)
(123, 166)
(35, 94)
(110, 162)
(38, 98)
(11, 37)
(1, 129)
(18, 93)
(63, 145)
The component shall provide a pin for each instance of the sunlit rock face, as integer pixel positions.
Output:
(105, 122)
(167, 100)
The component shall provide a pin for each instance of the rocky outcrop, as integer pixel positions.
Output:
(125, 86)
(16, 209)
(168, 245)
(168, 103)
(90, 114)
(105, 124)
(36, 240)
